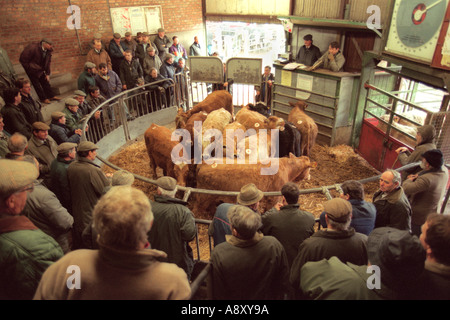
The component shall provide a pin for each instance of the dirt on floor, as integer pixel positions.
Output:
(334, 165)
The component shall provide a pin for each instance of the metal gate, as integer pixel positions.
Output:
(391, 123)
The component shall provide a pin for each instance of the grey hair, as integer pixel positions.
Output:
(122, 217)
(17, 142)
(341, 226)
(397, 176)
(244, 220)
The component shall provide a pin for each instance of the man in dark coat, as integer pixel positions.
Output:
(174, 225)
(36, 60)
(162, 43)
(87, 183)
(117, 50)
(13, 117)
(393, 207)
(143, 45)
(30, 108)
(249, 265)
(59, 131)
(58, 173)
(339, 240)
(87, 77)
(130, 71)
(286, 222)
(308, 54)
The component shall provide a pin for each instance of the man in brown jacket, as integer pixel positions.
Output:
(99, 55)
(426, 189)
(124, 267)
(87, 183)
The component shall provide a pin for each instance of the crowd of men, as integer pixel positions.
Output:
(58, 209)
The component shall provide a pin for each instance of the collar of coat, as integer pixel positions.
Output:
(169, 200)
(129, 259)
(335, 234)
(438, 268)
(16, 223)
(391, 197)
(290, 206)
(241, 243)
(86, 160)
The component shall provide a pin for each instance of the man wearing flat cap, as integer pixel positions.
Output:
(143, 46)
(130, 42)
(73, 114)
(151, 60)
(117, 50)
(162, 42)
(26, 251)
(397, 255)
(87, 77)
(426, 189)
(339, 239)
(36, 60)
(174, 225)
(87, 183)
(249, 196)
(58, 173)
(30, 107)
(43, 148)
(308, 54)
(249, 265)
(60, 132)
(98, 55)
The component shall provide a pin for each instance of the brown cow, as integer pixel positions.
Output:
(231, 177)
(251, 119)
(215, 100)
(159, 149)
(305, 124)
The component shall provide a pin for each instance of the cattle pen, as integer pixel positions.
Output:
(122, 147)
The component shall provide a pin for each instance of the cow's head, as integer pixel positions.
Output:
(180, 119)
(181, 171)
(273, 122)
(302, 105)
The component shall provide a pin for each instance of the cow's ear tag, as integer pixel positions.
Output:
(256, 125)
(214, 165)
(299, 122)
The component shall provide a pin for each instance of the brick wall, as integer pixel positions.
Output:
(25, 21)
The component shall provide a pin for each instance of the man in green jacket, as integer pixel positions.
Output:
(174, 225)
(396, 259)
(87, 183)
(87, 77)
(26, 251)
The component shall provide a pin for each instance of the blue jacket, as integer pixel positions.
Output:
(363, 216)
(111, 87)
(60, 133)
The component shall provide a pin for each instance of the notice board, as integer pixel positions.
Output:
(137, 19)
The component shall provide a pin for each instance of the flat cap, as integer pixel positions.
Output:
(117, 35)
(150, 48)
(338, 209)
(89, 65)
(57, 115)
(97, 36)
(65, 147)
(40, 126)
(79, 93)
(87, 146)
(47, 41)
(167, 183)
(128, 33)
(71, 102)
(308, 37)
(161, 30)
(14, 175)
(145, 34)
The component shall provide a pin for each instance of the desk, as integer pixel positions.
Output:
(331, 98)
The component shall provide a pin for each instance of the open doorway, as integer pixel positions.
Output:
(245, 40)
